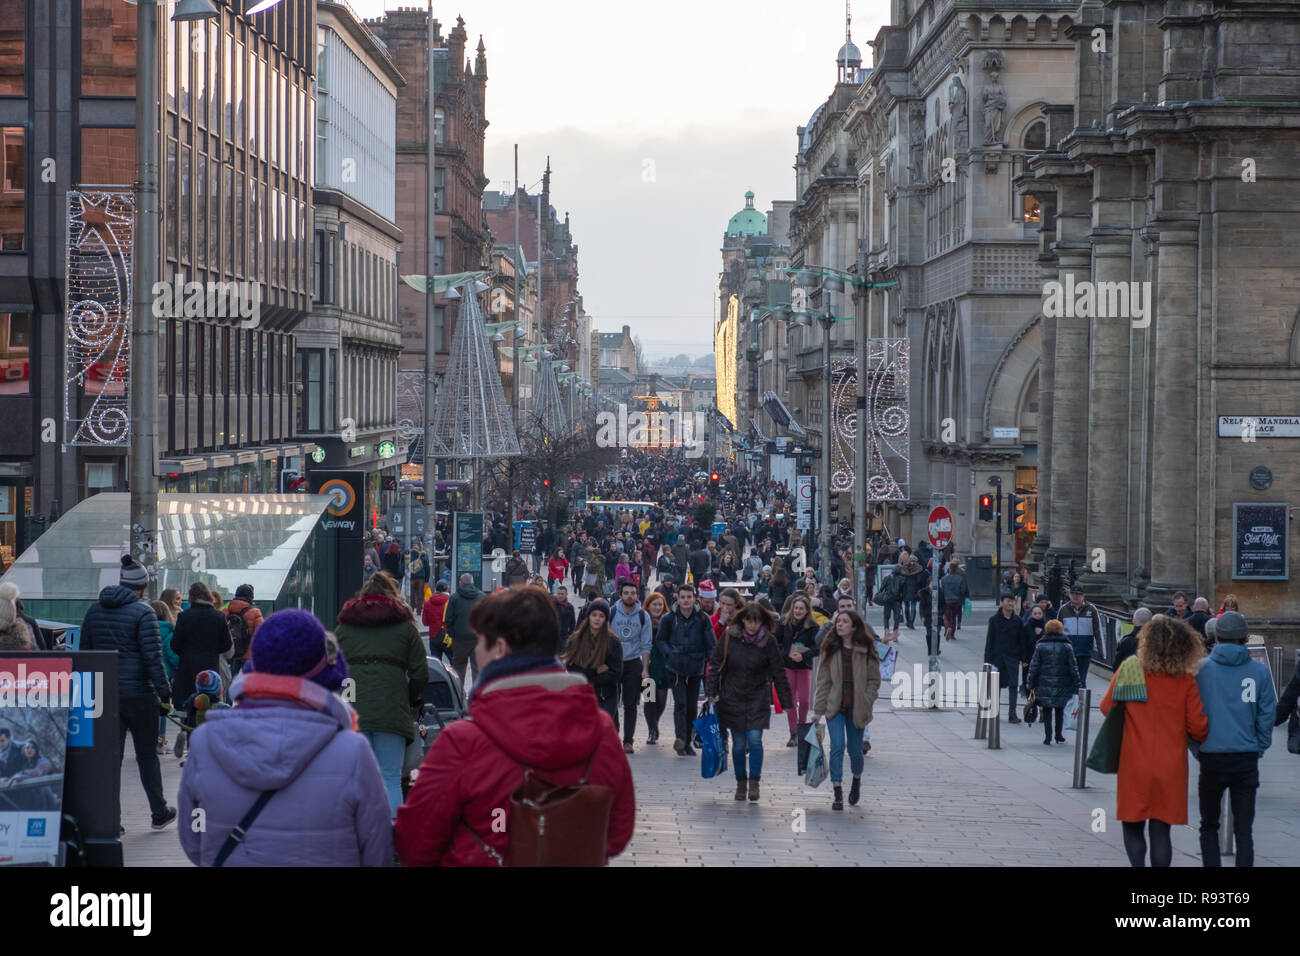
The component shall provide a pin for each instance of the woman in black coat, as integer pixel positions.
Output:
(594, 652)
(201, 637)
(1053, 677)
(746, 663)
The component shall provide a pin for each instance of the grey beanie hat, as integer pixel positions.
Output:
(1231, 627)
(133, 574)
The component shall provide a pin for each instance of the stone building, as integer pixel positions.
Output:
(958, 101)
(348, 348)
(1173, 411)
(618, 350)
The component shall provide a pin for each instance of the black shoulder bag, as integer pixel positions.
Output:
(237, 835)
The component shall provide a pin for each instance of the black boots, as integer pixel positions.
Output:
(741, 788)
(855, 791)
(838, 803)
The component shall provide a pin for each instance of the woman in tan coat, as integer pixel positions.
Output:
(847, 682)
(1152, 780)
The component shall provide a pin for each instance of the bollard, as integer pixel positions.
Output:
(1227, 839)
(1081, 741)
(995, 716)
(933, 692)
(982, 703)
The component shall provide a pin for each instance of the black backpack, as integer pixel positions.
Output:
(240, 636)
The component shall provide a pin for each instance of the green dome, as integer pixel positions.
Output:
(749, 221)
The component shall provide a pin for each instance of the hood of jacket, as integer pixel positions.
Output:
(910, 567)
(468, 592)
(438, 598)
(238, 606)
(268, 747)
(1230, 655)
(373, 610)
(542, 719)
(117, 595)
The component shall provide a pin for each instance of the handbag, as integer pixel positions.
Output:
(1104, 756)
(965, 607)
(1031, 707)
(1293, 732)
(713, 755)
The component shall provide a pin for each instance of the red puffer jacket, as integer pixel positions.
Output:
(547, 720)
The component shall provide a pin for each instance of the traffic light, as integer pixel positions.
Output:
(835, 505)
(714, 479)
(986, 507)
(291, 482)
(546, 482)
(389, 483)
(805, 469)
(1018, 505)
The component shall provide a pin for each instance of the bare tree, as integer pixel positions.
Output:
(638, 352)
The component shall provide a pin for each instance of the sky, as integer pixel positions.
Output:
(656, 118)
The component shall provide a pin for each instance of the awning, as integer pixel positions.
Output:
(776, 409)
(753, 422)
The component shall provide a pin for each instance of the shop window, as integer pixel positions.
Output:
(100, 476)
(15, 353)
(13, 47)
(13, 193)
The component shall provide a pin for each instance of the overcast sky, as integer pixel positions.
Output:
(657, 117)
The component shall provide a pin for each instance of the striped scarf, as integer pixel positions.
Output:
(1130, 681)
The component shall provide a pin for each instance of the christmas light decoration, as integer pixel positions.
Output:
(888, 461)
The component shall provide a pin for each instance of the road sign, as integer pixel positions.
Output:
(804, 494)
(575, 481)
(939, 527)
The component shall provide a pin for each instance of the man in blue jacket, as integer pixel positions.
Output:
(124, 622)
(686, 639)
(1082, 623)
(1239, 701)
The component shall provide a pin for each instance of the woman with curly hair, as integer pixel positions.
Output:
(1158, 717)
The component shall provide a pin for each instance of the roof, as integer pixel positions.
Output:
(805, 132)
(615, 376)
(494, 200)
(849, 55)
(612, 340)
(749, 221)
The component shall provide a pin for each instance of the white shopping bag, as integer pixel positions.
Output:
(888, 659)
(817, 770)
(1072, 714)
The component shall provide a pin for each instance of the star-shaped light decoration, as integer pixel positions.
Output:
(97, 218)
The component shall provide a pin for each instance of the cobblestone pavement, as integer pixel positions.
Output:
(931, 795)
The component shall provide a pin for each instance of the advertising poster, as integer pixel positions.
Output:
(469, 546)
(35, 699)
(1259, 545)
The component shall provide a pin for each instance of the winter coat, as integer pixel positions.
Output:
(330, 808)
(201, 637)
(829, 693)
(546, 720)
(953, 587)
(171, 660)
(556, 569)
(1286, 704)
(568, 622)
(122, 622)
(1236, 725)
(741, 676)
(1197, 620)
(392, 562)
(1080, 626)
(788, 633)
(1152, 781)
(1053, 672)
(456, 619)
(891, 589)
(605, 683)
(252, 616)
(687, 642)
(701, 563)
(1006, 637)
(387, 661)
(435, 610)
(914, 580)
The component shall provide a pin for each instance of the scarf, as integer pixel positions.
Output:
(259, 689)
(746, 638)
(513, 664)
(1130, 681)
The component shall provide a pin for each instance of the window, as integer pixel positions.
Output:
(1030, 210)
(169, 191)
(1036, 136)
(15, 353)
(440, 328)
(440, 257)
(439, 126)
(185, 220)
(318, 267)
(197, 44)
(13, 47)
(201, 218)
(439, 188)
(312, 372)
(13, 185)
(100, 476)
(107, 46)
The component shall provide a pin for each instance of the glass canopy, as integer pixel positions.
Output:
(222, 540)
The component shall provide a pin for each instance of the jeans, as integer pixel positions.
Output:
(752, 739)
(462, 654)
(840, 727)
(1239, 775)
(1082, 661)
(655, 707)
(686, 692)
(630, 686)
(893, 609)
(801, 691)
(390, 751)
(138, 713)
(911, 613)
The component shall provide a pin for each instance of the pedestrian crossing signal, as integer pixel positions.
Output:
(986, 507)
(714, 479)
(1018, 505)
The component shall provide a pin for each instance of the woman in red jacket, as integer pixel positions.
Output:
(525, 710)
(435, 612)
(557, 569)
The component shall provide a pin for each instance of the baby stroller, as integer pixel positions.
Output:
(441, 702)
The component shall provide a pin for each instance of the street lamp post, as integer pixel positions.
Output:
(429, 470)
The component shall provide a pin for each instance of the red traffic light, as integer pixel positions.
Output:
(986, 501)
(714, 477)
(546, 482)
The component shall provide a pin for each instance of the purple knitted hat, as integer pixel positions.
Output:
(293, 642)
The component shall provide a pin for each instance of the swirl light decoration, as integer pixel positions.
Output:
(100, 263)
(410, 414)
(888, 463)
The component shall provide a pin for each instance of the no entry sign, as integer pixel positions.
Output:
(939, 527)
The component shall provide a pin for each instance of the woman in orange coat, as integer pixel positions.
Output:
(1152, 782)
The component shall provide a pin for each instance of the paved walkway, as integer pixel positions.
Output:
(932, 796)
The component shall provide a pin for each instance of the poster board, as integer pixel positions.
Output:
(1259, 541)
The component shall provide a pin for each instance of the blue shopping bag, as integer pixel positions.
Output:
(713, 754)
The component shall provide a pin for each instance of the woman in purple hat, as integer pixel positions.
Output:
(286, 764)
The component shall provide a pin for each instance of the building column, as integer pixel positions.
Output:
(1046, 385)
(1108, 413)
(1173, 504)
(1070, 401)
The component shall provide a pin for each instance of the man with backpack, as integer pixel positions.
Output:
(243, 618)
(890, 597)
(630, 623)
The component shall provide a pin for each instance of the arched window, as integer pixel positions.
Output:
(1036, 136)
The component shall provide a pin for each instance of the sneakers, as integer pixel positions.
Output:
(179, 749)
(855, 791)
(653, 738)
(838, 802)
(741, 789)
(680, 746)
(627, 747)
(753, 790)
(793, 741)
(168, 818)
(690, 751)
(162, 744)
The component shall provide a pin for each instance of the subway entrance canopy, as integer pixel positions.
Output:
(268, 541)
